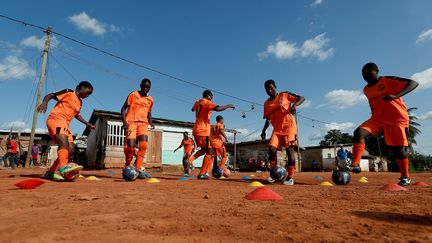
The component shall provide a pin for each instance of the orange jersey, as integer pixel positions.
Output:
(277, 111)
(188, 145)
(139, 107)
(216, 135)
(203, 109)
(388, 112)
(68, 106)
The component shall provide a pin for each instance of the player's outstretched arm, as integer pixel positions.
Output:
(150, 120)
(224, 107)
(299, 101)
(410, 86)
(82, 120)
(43, 106)
(263, 133)
(181, 145)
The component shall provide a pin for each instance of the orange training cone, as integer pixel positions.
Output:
(263, 193)
(393, 187)
(420, 183)
(29, 183)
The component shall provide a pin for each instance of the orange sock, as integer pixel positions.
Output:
(198, 154)
(403, 166)
(291, 170)
(358, 149)
(223, 162)
(54, 166)
(207, 164)
(62, 156)
(129, 153)
(141, 153)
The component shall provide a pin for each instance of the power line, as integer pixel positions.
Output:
(127, 60)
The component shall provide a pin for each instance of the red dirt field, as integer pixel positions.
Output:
(112, 210)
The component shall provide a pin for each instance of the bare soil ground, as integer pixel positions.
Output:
(112, 210)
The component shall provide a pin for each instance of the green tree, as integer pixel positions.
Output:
(335, 136)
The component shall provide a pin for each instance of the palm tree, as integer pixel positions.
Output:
(413, 129)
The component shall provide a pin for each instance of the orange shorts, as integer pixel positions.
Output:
(393, 135)
(216, 143)
(136, 129)
(278, 141)
(58, 127)
(221, 151)
(202, 141)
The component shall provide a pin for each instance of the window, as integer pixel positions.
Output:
(115, 133)
(329, 156)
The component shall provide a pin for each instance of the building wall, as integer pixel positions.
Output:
(171, 139)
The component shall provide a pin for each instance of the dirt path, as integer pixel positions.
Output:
(112, 210)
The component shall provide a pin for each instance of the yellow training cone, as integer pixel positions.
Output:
(326, 183)
(81, 176)
(256, 184)
(222, 177)
(252, 175)
(363, 180)
(92, 178)
(153, 180)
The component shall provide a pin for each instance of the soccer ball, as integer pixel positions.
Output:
(341, 177)
(72, 175)
(217, 172)
(226, 172)
(130, 173)
(278, 173)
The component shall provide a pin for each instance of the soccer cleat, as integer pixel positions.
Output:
(143, 174)
(289, 182)
(269, 179)
(355, 169)
(51, 175)
(404, 181)
(204, 176)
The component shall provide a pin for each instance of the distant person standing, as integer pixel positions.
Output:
(12, 154)
(35, 151)
(314, 165)
(342, 153)
(188, 145)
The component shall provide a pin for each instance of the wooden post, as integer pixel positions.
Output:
(235, 152)
(298, 147)
(39, 93)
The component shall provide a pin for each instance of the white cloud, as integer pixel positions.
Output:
(320, 133)
(38, 43)
(15, 125)
(424, 78)
(15, 67)
(424, 36)
(86, 23)
(306, 104)
(317, 2)
(426, 116)
(316, 47)
(342, 99)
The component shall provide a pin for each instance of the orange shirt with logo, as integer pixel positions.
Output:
(188, 145)
(277, 111)
(387, 112)
(67, 108)
(203, 109)
(139, 107)
(216, 135)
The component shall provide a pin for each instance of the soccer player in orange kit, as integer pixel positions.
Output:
(389, 115)
(136, 116)
(188, 145)
(279, 110)
(201, 131)
(69, 103)
(218, 140)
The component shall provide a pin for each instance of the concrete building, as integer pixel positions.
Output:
(105, 144)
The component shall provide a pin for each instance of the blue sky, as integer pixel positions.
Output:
(312, 48)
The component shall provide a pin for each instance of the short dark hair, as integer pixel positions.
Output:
(370, 66)
(207, 93)
(185, 133)
(219, 118)
(84, 84)
(268, 82)
(145, 80)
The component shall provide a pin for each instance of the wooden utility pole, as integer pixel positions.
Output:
(298, 147)
(39, 93)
